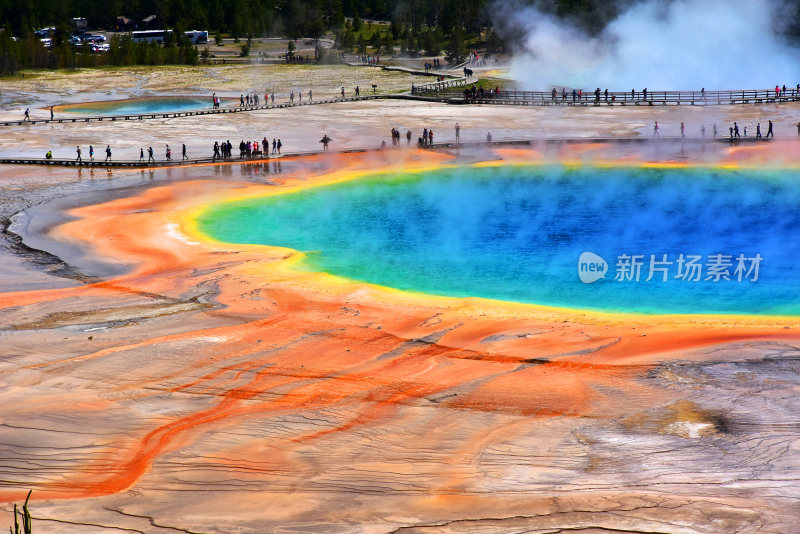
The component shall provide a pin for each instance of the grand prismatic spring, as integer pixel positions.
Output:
(579, 335)
(517, 233)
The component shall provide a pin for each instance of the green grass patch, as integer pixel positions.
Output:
(492, 83)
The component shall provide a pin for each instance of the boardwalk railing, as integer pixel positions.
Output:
(193, 113)
(426, 89)
(636, 98)
(266, 158)
(449, 91)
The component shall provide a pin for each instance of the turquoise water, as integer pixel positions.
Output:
(139, 106)
(517, 233)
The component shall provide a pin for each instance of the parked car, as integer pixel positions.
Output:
(45, 32)
(94, 37)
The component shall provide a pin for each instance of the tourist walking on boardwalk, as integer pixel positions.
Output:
(758, 130)
(489, 138)
(183, 151)
(141, 154)
(241, 101)
(91, 153)
(736, 130)
(683, 130)
(272, 97)
(216, 151)
(310, 95)
(274, 146)
(51, 112)
(150, 155)
(714, 129)
(655, 130)
(430, 137)
(342, 92)
(78, 150)
(408, 134)
(769, 131)
(169, 153)
(325, 140)
(279, 145)
(27, 114)
(108, 152)
(458, 132)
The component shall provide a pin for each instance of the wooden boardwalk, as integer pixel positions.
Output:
(446, 92)
(195, 113)
(100, 164)
(629, 98)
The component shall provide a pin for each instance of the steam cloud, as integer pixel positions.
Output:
(680, 45)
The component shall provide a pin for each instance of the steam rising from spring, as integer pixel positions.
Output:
(680, 45)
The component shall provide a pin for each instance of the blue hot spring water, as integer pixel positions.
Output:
(726, 241)
(140, 106)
